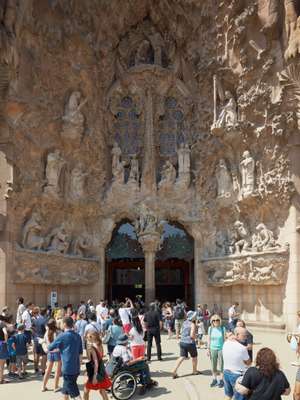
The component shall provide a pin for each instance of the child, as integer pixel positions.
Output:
(11, 347)
(200, 333)
(21, 341)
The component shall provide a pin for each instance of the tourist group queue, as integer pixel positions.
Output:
(59, 336)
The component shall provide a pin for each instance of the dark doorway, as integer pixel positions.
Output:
(125, 266)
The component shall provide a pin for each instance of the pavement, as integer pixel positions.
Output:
(186, 387)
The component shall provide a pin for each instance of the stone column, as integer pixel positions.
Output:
(150, 243)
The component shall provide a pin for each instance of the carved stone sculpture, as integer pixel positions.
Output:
(142, 54)
(58, 240)
(242, 240)
(147, 223)
(221, 244)
(54, 174)
(73, 119)
(224, 180)
(292, 27)
(228, 114)
(168, 175)
(266, 238)
(32, 238)
(82, 246)
(247, 170)
(134, 175)
(184, 164)
(77, 182)
(117, 164)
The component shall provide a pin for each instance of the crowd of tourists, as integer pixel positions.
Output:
(123, 333)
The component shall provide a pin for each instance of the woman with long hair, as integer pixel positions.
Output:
(168, 316)
(215, 342)
(265, 380)
(53, 357)
(97, 378)
(136, 335)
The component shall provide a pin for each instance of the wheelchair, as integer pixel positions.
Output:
(124, 383)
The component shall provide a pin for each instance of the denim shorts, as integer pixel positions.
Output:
(70, 386)
(229, 382)
(54, 357)
(3, 351)
(188, 348)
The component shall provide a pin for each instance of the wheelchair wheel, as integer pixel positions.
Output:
(123, 386)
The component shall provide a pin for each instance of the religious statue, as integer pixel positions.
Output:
(168, 174)
(77, 182)
(54, 173)
(143, 52)
(247, 169)
(117, 164)
(184, 159)
(81, 246)
(266, 238)
(134, 174)
(242, 240)
(228, 114)
(31, 237)
(58, 240)
(224, 180)
(157, 44)
(73, 119)
(147, 223)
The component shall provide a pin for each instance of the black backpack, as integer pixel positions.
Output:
(179, 312)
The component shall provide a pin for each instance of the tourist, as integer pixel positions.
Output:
(200, 333)
(26, 321)
(90, 308)
(97, 378)
(249, 340)
(112, 335)
(135, 366)
(236, 360)
(125, 314)
(167, 316)
(12, 353)
(216, 340)
(206, 317)
(20, 310)
(39, 322)
(108, 320)
(136, 336)
(153, 325)
(179, 314)
(80, 326)
(3, 348)
(264, 381)
(101, 312)
(233, 316)
(82, 308)
(21, 342)
(188, 343)
(5, 312)
(70, 346)
(93, 325)
(53, 356)
(294, 340)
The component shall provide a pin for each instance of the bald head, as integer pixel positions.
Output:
(240, 333)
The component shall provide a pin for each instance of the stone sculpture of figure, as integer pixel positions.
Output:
(147, 223)
(134, 174)
(157, 44)
(247, 169)
(142, 54)
(242, 238)
(266, 238)
(77, 182)
(54, 173)
(221, 244)
(292, 27)
(31, 236)
(117, 164)
(58, 240)
(81, 246)
(168, 174)
(224, 180)
(73, 119)
(184, 159)
(228, 114)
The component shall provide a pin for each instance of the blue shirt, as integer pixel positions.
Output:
(11, 350)
(21, 340)
(80, 326)
(115, 332)
(70, 345)
(40, 326)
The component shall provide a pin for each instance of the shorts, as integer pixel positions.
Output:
(13, 359)
(229, 385)
(126, 328)
(216, 356)
(28, 335)
(188, 348)
(38, 349)
(20, 360)
(178, 324)
(3, 351)
(54, 357)
(70, 386)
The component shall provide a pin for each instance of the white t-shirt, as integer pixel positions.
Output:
(92, 327)
(136, 339)
(124, 314)
(20, 311)
(123, 352)
(231, 313)
(234, 355)
(101, 312)
(26, 319)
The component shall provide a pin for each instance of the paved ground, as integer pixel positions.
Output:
(186, 387)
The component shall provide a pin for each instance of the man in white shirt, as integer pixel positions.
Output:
(236, 359)
(125, 315)
(102, 312)
(233, 316)
(26, 321)
(93, 325)
(20, 310)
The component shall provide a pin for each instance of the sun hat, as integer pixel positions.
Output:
(191, 315)
(123, 339)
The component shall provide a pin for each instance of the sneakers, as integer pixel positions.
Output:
(221, 384)
(214, 383)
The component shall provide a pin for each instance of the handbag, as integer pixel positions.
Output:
(113, 365)
(107, 336)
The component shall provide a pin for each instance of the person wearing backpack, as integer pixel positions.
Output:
(265, 381)
(216, 339)
(179, 315)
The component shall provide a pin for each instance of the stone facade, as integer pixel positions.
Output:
(174, 110)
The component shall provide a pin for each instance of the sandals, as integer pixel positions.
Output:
(174, 375)
(196, 373)
(45, 389)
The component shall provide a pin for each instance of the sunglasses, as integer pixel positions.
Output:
(215, 320)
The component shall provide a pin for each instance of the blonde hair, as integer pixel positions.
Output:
(215, 316)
